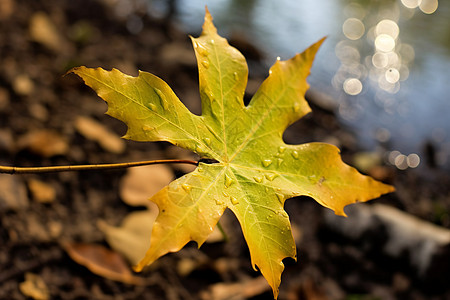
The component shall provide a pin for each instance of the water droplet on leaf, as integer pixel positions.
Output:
(202, 50)
(266, 162)
(228, 181)
(147, 128)
(295, 154)
(281, 149)
(205, 63)
(162, 97)
(279, 161)
(186, 187)
(207, 141)
(258, 178)
(234, 200)
(270, 176)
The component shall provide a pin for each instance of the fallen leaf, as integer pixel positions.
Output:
(23, 85)
(97, 132)
(236, 291)
(45, 32)
(102, 261)
(132, 238)
(45, 143)
(139, 184)
(34, 287)
(13, 194)
(41, 191)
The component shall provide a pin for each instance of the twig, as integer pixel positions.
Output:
(35, 170)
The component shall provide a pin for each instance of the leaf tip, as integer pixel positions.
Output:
(208, 26)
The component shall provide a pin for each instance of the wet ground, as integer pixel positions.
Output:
(43, 117)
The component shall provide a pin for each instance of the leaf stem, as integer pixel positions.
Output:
(36, 170)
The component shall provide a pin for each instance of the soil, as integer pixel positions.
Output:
(39, 108)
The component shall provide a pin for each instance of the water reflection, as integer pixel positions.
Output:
(386, 66)
(387, 61)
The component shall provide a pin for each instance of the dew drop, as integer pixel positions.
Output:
(199, 149)
(200, 169)
(152, 107)
(212, 42)
(202, 50)
(218, 201)
(270, 176)
(225, 194)
(279, 161)
(234, 200)
(147, 128)
(258, 178)
(295, 154)
(278, 58)
(205, 63)
(236, 75)
(186, 187)
(297, 106)
(313, 179)
(228, 181)
(207, 141)
(266, 162)
(281, 149)
(162, 97)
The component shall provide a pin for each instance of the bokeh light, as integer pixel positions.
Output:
(353, 28)
(392, 75)
(380, 60)
(411, 3)
(428, 6)
(384, 42)
(352, 86)
(388, 27)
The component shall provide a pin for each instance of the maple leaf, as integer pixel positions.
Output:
(255, 171)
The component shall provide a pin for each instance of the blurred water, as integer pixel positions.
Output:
(385, 63)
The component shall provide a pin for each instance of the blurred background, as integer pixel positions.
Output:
(379, 91)
(384, 65)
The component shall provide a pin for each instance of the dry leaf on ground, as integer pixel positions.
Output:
(41, 192)
(46, 143)
(132, 238)
(139, 184)
(236, 291)
(102, 261)
(97, 132)
(34, 287)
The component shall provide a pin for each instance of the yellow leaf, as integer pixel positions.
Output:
(249, 169)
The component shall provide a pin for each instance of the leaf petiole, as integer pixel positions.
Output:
(36, 170)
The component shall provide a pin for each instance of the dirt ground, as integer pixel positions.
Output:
(41, 124)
